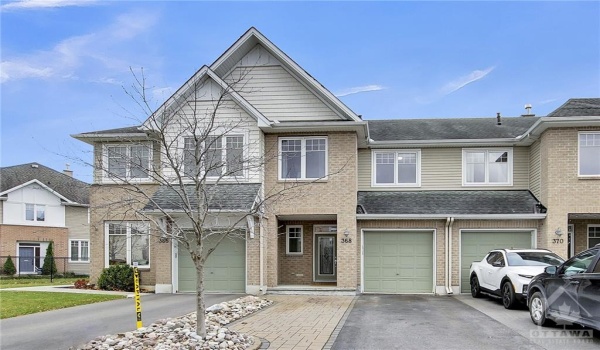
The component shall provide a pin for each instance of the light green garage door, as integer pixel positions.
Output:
(398, 262)
(225, 269)
(475, 245)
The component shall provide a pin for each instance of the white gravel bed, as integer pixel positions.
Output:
(180, 332)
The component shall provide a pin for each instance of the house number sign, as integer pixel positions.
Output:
(346, 240)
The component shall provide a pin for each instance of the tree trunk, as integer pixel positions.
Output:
(200, 307)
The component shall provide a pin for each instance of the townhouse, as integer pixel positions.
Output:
(39, 205)
(380, 206)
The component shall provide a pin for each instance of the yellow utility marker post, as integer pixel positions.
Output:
(138, 303)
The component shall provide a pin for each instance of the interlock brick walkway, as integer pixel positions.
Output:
(298, 322)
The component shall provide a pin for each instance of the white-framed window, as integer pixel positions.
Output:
(593, 235)
(293, 239)
(224, 156)
(303, 158)
(35, 212)
(396, 168)
(127, 242)
(589, 154)
(79, 250)
(487, 167)
(128, 161)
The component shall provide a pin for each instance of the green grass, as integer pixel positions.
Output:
(15, 282)
(17, 303)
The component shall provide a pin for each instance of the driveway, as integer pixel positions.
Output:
(424, 322)
(61, 329)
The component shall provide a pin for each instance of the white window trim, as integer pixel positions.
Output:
(487, 183)
(287, 240)
(395, 184)
(245, 154)
(303, 158)
(128, 243)
(588, 234)
(579, 154)
(79, 248)
(35, 206)
(107, 178)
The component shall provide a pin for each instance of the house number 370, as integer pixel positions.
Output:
(346, 240)
(557, 240)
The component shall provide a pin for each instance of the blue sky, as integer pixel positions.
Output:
(65, 62)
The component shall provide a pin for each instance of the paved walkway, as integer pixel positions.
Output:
(296, 322)
(68, 288)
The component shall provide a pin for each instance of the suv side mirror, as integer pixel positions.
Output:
(551, 270)
(498, 264)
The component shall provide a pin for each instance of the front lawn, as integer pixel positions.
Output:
(16, 282)
(17, 303)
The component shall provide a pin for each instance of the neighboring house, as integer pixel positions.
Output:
(39, 205)
(400, 206)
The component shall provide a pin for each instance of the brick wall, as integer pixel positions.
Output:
(334, 196)
(562, 191)
(11, 234)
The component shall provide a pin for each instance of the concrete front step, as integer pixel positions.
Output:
(311, 290)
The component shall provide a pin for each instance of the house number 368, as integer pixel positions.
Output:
(346, 240)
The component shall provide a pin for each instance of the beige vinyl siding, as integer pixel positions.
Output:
(441, 169)
(278, 95)
(535, 170)
(76, 220)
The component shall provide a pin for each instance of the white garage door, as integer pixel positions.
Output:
(474, 245)
(225, 269)
(398, 262)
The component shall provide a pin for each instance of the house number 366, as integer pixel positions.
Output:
(346, 240)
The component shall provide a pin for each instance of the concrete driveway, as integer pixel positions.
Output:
(65, 328)
(424, 322)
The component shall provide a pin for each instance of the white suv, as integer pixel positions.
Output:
(506, 273)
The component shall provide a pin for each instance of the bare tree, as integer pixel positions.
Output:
(196, 143)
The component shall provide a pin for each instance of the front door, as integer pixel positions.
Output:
(325, 258)
(26, 259)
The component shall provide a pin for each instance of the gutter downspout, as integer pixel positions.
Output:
(261, 254)
(449, 258)
(446, 253)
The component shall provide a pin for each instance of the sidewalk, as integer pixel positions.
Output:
(298, 322)
(67, 288)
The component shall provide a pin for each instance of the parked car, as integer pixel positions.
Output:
(569, 293)
(506, 273)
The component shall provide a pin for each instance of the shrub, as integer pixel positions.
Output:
(49, 267)
(117, 277)
(81, 284)
(9, 267)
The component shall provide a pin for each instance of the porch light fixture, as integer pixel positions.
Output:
(558, 232)
(346, 233)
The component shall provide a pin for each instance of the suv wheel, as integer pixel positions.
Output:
(537, 309)
(475, 288)
(508, 295)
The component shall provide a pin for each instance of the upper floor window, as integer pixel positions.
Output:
(224, 156)
(487, 166)
(79, 251)
(128, 161)
(127, 242)
(35, 212)
(593, 235)
(303, 158)
(397, 168)
(589, 154)
(293, 242)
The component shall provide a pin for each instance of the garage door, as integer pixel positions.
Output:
(475, 245)
(398, 262)
(225, 269)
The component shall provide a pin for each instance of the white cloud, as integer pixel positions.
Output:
(161, 94)
(82, 55)
(359, 89)
(35, 4)
(463, 81)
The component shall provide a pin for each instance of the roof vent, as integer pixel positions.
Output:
(67, 170)
(34, 165)
(498, 119)
(528, 109)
